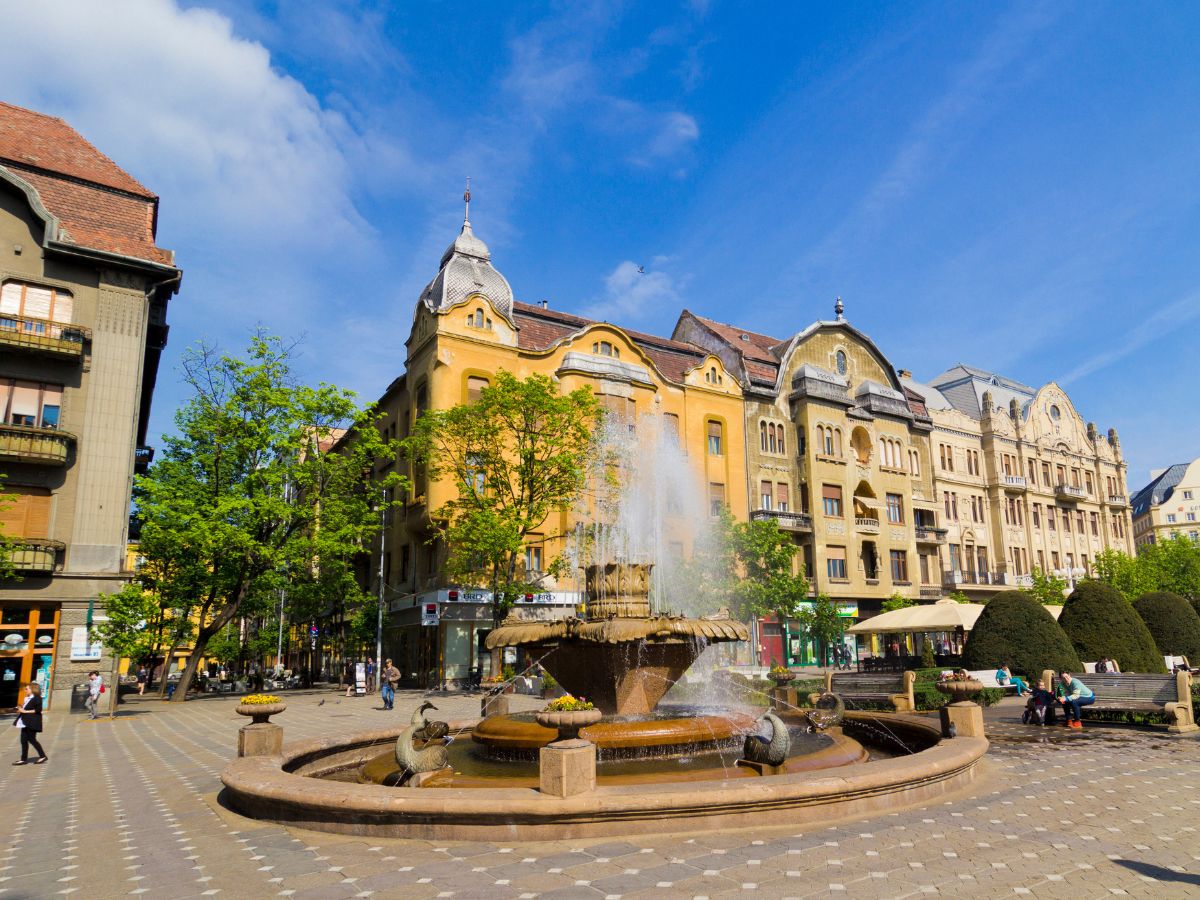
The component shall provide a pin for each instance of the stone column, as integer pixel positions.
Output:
(966, 717)
(260, 739)
(567, 768)
(783, 698)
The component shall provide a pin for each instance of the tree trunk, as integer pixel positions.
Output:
(166, 669)
(203, 636)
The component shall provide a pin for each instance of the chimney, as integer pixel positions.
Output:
(905, 373)
(545, 304)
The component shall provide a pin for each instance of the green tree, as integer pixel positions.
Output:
(129, 627)
(1130, 576)
(6, 543)
(1172, 622)
(248, 492)
(767, 584)
(1016, 630)
(1100, 622)
(897, 601)
(958, 597)
(1047, 589)
(821, 621)
(515, 455)
(1176, 563)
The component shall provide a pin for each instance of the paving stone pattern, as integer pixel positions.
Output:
(129, 807)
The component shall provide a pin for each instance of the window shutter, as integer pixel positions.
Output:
(10, 298)
(28, 513)
(25, 400)
(64, 307)
(37, 302)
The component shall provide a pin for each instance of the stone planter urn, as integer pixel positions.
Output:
(782, 678)
(260, 713)
(568, 722)
(958, 691)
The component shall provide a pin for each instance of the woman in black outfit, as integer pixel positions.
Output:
(29, 723)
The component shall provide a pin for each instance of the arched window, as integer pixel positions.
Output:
(762, 436)
(779, 431)
(837, 442)
(605, 348)
(771, 438)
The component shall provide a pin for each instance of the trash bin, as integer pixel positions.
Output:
(79, 695)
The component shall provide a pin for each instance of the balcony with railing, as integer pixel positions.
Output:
(35, 555)
(1020, 581)
(930, 592)
(43, 337)
(930, 535)
(785, 519)
(956, 578)
(1117, 500)
(866, 526)
(1015, 482)
(142, 457)
(30, 443)
(1069, 492)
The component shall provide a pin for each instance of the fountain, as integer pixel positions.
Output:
(655, 766)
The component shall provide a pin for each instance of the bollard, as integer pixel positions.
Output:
(567, 768)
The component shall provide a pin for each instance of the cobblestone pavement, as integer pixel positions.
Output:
(129, 807)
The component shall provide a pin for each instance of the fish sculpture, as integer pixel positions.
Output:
(772, 751)
(433, 755)
(827, 712)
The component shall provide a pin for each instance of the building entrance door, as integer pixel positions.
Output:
(28, 637)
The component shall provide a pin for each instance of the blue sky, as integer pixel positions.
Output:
(1014, 186)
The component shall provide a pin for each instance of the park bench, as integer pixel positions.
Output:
(1174, 663)
(1170, 695)
(987, 677)
(894, 688)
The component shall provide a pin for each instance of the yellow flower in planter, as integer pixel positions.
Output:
(567, 703)
(260, 699)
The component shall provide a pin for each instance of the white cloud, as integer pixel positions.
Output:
(631, 294)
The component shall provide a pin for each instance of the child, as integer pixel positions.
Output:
(1039, 709)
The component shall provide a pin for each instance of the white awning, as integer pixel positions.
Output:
(945, 615)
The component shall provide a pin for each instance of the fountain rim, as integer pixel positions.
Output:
(275, 788)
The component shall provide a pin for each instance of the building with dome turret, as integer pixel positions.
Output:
(467, 326)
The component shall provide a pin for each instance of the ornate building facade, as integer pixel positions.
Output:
(83, 302)
(1023, 481)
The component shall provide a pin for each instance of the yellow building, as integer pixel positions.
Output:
(1023, 481)
(468, 326)
(838, 454)
(1169, 505)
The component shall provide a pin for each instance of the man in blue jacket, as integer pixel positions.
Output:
(1073, 694)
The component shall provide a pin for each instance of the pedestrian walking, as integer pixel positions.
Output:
(95, 689)
(351, 677)
(142, 677)
(390, 677)
(29, 723)
(370, 674)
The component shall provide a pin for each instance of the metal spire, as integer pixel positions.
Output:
(838, 308)
(467, 202)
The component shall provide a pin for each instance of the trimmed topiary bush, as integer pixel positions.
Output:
(1100, 622)
(1015, 629)
(1172, 622)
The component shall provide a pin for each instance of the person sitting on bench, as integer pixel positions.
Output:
(1005, 676)
(1073, 694)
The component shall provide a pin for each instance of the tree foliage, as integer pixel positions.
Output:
(1100, 622)
(1048, 589)
(246, 500)
(897, 601)
(7, 572)
(1172, 622)
(1016, 630)
(515, 455)
(821, 621)
(767, 585)
(1171, 565)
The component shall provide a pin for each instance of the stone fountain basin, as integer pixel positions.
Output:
(287, 789)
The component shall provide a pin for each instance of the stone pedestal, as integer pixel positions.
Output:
(783, 698)
(967, 718)
(493, 705)
(762, 768)
(262, 739)
(567, 768)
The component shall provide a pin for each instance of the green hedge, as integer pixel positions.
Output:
(1100, 622)
(1172, 623)
(1016, 630)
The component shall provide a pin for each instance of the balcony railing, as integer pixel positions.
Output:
(28, 443)
(43, 336)
(867, 526)
(1015, 482)
(1069, 492)
(1016, 580)
(787, 520)
(930, 535)
(1117, 500)
(954, 578)
(142, 457)
(930, 593)
(35, 554)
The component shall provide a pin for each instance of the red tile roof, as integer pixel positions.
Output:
(98, 204)
(540, 328)
(756, 346)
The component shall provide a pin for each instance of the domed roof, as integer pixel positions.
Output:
(467, 269)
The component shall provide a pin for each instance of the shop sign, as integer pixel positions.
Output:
(847, 609)
(429, 614)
